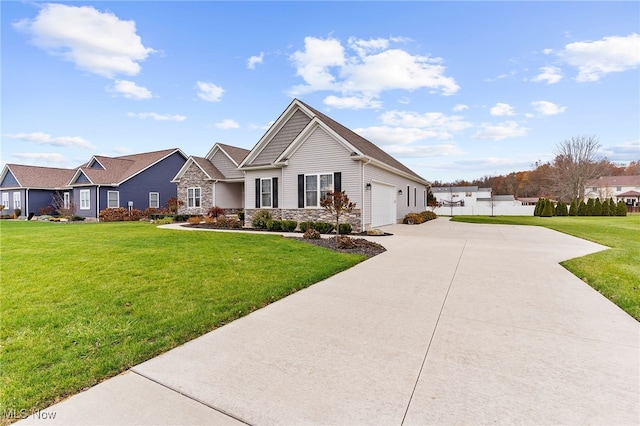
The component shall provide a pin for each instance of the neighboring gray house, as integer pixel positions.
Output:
(137, 181)
(31, 188)
(303, 156)
(213, 180)
(620, 188)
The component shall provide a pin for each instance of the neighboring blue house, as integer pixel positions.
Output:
(31, 188)
(137, 181)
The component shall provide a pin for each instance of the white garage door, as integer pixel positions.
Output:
(383, 204)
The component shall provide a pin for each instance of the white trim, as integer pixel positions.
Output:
(87, 194)
(66, 199)
(17, 200)
(318, 188)
(194, 197)
(109, 206)
(262, 193)
(157, 206)
(5, 200)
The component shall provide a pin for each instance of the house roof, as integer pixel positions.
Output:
(102, 170)
(208, 168)
(282, 136)
(632, 180)
(629, 194)
(235, 153)
(39, 177)
(441, 189)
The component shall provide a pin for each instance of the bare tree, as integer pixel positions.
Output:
(337, 203)
(64, 207)
(575, 164)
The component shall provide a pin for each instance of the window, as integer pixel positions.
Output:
(113, 199)
(468, 194)
(154, 200)
(265, 192)
(316, 188)
(193, 197)
(85, 199)
(66, 200)
(5, 199)
(17, 202)
(618, 188)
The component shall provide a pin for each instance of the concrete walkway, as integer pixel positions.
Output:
(454, 324)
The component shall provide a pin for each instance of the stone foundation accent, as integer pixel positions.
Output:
(308, 215)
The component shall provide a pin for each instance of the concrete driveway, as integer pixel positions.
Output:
(455, 324)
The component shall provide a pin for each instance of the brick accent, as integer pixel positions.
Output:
(308, 215)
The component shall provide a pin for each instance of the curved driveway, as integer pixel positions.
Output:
(455, 324)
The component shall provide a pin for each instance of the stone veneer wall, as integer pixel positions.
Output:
(308, 215)
(194, 177)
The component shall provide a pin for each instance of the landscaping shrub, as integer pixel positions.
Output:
(573, 209)
(428, 215)
(344, 242)
(164, 220)
(76, 218)
(345, 229)
(120, 214)
(582, 209)
(17, 213)
(289, 225)
(274, 225)
(311, 234)
(181, 217)
(241, 216)
(194, 220)
(261, 218)
(323, 227)
(215, 211)
(306, 225)
(561, 209)
(621, 210)
(210, 220)
(412, 218)
(45, 211)
(547, 209)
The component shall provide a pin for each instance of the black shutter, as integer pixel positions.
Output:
(300, 191)
(408, 196)
(257, 193)
(337, 182)
(274, 193)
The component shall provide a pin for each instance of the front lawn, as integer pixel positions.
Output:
(615, 272)
(82, 302)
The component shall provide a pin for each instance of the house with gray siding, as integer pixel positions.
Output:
(212, 180)
(31, 188)
(303, 156)
(138, 181)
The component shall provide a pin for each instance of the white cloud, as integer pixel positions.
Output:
(210, 92)
(441, 126)
(414, 151)
(255, 60)
(501, 109)
(387, 135)
(97, 42)
(45, 158)
(41, 138)
(352, 102)
(131, 90)
(508, 129)
(624, 152)
(460, 107)
(156, 116)
(550, 75)
(547, 108)
(227, 124)
(372, 68)
(595, 59)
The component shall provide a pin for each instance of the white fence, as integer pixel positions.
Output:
(486, 210)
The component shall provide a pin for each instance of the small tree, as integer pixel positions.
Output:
(338, 204)
(621, 209)
(66, 209)
(547, 210)
(597, 207)
(173, 204)
(573, 208)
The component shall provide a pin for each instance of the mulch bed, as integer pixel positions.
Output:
(362, 246)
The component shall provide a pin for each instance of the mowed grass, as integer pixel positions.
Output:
(615, 272)
(84, 302)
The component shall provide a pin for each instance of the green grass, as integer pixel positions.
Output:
(615, 272)
(84, 302)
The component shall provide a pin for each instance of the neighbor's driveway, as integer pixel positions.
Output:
(455, 324)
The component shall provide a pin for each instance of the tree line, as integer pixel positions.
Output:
(576, 162)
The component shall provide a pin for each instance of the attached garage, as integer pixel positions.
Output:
(383, 204)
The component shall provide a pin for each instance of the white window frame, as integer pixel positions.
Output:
(157, 200)
(66, 200)
(194, 201)
(319, 191)
(85, 199)
(5, 200)
(117, 200)
(17, 201)
(264, 193)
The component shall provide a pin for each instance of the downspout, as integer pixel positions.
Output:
(26, 195)
(364, 190)
(98, 202)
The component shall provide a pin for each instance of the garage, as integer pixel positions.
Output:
(383, 204)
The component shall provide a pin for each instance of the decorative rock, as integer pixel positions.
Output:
(375, 231)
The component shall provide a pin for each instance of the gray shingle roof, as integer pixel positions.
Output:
(41, 177)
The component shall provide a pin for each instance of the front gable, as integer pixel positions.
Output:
(8, 179)
(225, 165)
(94, 163)
(80, 178)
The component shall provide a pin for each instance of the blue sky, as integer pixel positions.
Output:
(455, 90)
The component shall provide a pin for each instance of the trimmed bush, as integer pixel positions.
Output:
(181, 217)
(345, 228)
(194, 220)
(547, 209)
(215, 211)
(621, 209)
(289, 225)
(412, 219)
(323, 227)
(344, 242)
(274, 225)
(573, 209)
(261, 218)
(306, 225)
(120, 214)
(428, 215)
